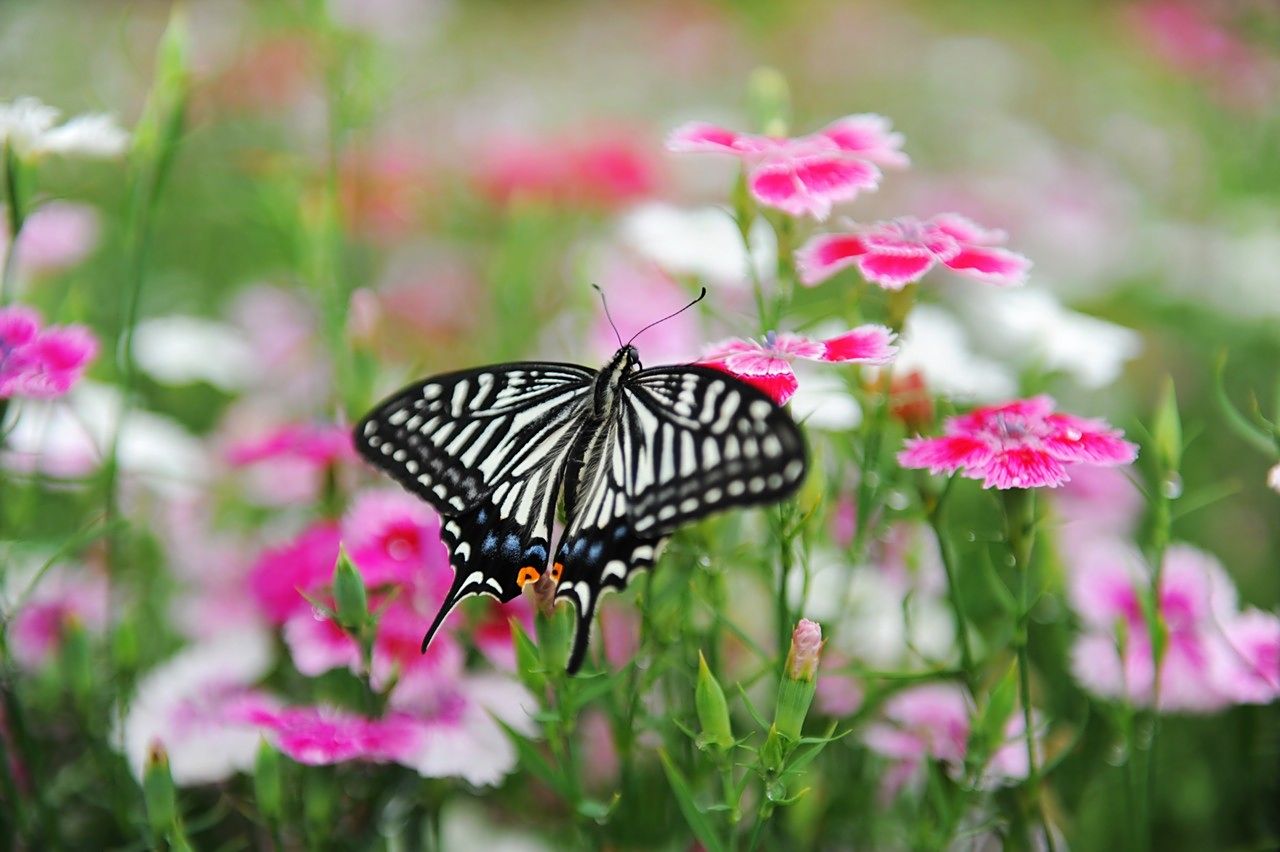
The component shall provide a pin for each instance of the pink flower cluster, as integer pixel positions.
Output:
(805, 175)
(932, 722)
(1216, 655)
(289, 463)
(1020, 444)
(894, 254)
(767, 364)
(40, 362)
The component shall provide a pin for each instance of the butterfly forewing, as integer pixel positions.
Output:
(487, 448)
(685, 442)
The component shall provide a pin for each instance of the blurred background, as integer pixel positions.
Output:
(491, 159)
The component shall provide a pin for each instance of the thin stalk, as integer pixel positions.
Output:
(17, 216)
(947, 552)
(1020, 529)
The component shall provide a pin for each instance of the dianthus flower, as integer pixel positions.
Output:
(1021, 444)
(894, 254)
(40, 363)
(804, 175)
(767, 364)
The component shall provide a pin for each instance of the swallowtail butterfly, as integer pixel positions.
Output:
(633, 454)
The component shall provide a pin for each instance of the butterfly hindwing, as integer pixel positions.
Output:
(487, 448)
(686, 441)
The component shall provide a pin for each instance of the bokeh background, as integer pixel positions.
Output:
(492, 159)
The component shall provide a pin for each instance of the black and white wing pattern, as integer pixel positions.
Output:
(686, 441)
(487, 449)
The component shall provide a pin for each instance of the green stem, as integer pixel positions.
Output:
(946, 550)
(17, 216)
(1020, 528)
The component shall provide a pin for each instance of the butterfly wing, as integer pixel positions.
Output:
(686, 441)
(486, 448)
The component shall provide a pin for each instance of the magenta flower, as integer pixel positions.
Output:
(320, 736)
(1112, 658)
(281, 574)
(805, 175)
(395, 538)
(767, 365)
(894, 254)
(40, 363)
(1021, 444)
(289, 463)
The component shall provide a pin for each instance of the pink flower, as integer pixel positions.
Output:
(805, 175)
(281, 574)
(767, 365)
(585, 169)
(394, 538)
(1098, 501)
(63, 597)
(1113, 657)
(40, 363)
(321, 736)
(289, 463)
(1247, 664)
(1021, 444)
(894, 254)
(55, 236)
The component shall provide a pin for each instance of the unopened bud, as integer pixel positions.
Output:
(713, 710)
(806, 647)
(1273, 478)
(349, 595)
(157, 789)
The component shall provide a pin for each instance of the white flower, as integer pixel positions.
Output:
(1033, 326)
(183, 703)
(1273, 478)
(935, 344)
(70, 437)
(703, 243)
(30, 128)
(178, 350)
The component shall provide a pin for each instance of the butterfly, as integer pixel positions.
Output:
(632, 453)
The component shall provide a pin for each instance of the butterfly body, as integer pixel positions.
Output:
(632, 453)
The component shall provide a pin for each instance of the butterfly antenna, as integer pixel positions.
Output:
(701, 296)
(605, 302)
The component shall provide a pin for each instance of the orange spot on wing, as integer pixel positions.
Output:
(527, 574)
(556, 571)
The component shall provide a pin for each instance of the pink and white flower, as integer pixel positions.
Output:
(1021, 444)
(40, 363)
(62, 597)
(767, 365)
(805, 175)
(1247, 663)
(55, 236)
(1113, 658)
(195, 704)
(394, 538)
(321, 736)
(896, 253)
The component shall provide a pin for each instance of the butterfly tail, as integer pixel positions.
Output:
(586, 612)
(451, 600)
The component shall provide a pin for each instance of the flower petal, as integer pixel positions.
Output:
(867, 344)
(827, 254)
(811, 183)
(893, 271)
(780, 385)
(701, 137)
(992, 265)
(1077, 439)
(869, 136)
(965, 230)
(945, 454)
(1021, 467)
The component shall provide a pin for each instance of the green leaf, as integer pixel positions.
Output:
(532, 760)
(528, 660)
(698, 822)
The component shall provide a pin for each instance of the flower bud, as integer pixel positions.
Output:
(157, 790)
(770, 100)
(1166, 431)
(795, 692)
(349, 595)
(364, 315)
(267, 785)
(806, 646)
(713, 710)
(1273, 478)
